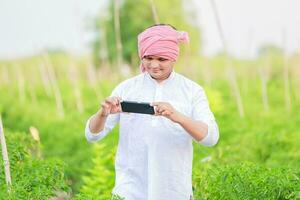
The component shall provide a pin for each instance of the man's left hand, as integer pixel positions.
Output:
(166, 109)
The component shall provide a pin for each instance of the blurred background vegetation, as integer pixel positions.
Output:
(134, 19)
(255, 101)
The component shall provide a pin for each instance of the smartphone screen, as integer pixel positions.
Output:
(137, 107)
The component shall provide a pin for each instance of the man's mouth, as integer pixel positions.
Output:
(156, 70)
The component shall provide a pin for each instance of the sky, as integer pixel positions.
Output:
(27, 26)
(249, 24)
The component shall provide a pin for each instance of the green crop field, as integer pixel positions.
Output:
(46, 100)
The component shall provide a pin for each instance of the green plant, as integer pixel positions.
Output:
(248, 181)
(32, 178)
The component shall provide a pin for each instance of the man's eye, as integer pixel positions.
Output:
(162, 59)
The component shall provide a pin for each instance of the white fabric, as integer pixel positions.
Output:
(154, 156)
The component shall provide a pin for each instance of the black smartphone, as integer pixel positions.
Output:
(137, 107)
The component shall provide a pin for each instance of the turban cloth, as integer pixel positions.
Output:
(162, 41)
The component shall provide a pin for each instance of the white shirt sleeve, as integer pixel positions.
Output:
(201, 112)
(111, 121)
(109, 125)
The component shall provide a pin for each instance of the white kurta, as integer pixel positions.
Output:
(154, 155)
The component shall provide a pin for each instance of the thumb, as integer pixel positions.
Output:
(154, 104)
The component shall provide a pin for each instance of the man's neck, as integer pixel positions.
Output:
(162, 79)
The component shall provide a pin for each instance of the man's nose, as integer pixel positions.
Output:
(154, 63)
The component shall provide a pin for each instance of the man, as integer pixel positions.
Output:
(155, 152)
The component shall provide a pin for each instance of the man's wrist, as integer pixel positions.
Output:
(100, 114)
(179, 118)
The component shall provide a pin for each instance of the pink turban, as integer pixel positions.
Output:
(162, 41)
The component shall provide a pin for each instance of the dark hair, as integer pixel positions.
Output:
(161, 24)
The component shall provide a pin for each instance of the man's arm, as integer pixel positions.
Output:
(198, 130)
(102, 122)
(97, 122)
(205, 133)
(111, 105)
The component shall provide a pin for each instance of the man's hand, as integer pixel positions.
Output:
(197, 129)
(166, 109)
(110, 105)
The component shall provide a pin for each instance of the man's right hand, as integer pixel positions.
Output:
(110, 105)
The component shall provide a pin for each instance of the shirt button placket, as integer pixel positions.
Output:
(157, 97)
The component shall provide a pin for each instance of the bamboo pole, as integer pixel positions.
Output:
(91, 72)
(21, 84)
(32, 94)
(264, 90)
(206, 72)
(92, 78)
(45, 79)
(5, 156)
(286, 79)
(294, 76)
(229, 64)
(31, 84)
(118, 33)
(287, 95)
(54, 84)
(105, 53)
(187, 59)
(5, 75)
(297, 74)
(74, 80)
(154, 12)
(247, 74)
(296, 79)
(264, 76)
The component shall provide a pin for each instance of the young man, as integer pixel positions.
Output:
(155, 152)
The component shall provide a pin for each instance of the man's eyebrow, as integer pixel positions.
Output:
(148, 57)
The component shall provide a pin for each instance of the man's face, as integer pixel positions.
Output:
(159, 68)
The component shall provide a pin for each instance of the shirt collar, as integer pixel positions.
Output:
(171, 77)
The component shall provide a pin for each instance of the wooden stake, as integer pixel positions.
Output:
(21, 84)
(55, 87)
(31, 85)
(45, 79)
(5, 156)
(74, 80)
(236, 91)
(154, 12)
(264, 90)
(229, 64)
(92, 78)
(32, 93)
(5, 75)
(287, 95)
(206, 72)
(296, 79)
(118, 33)
(104, 49)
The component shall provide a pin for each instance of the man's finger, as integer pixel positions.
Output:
(105, 105)
(155, 103)
(157, 110)
(110, 101)
(117, 100)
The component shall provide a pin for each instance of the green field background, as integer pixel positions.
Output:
(257, 157)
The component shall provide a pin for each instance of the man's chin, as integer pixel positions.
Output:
(153, 74)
